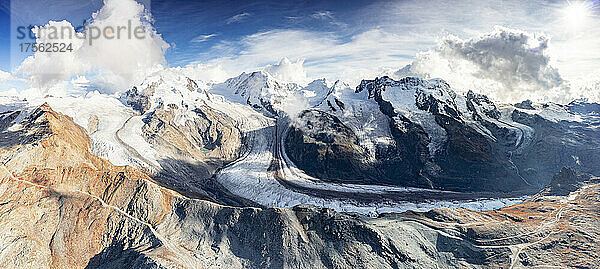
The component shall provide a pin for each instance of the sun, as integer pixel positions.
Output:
(576, 13)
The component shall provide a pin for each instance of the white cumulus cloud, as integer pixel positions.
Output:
(507, 65)
(5, 76)
(112, 61)
(287, 71)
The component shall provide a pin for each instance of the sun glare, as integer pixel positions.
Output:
(576, 13)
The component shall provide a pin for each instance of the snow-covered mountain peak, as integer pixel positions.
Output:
(437, 87)
(318, 86)
(258, 81)
(373, 87)
(316, 92)
(434, 95)
(552, 111)
(338, 84)
(342, 90)
(168, 90)
(480, 104)
(258, 89)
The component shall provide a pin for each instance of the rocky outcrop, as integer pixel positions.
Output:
(92, 126)
(210, 137)
(138, 100)
(6, 119)
(327, 148)
(527, 104)
(191, 85)
(566, 181)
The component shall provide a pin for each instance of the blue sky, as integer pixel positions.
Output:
(193, 27)
(200, 25)
(336, 39)
(4, 35)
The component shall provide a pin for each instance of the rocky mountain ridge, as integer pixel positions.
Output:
(64, 207)
(437, 138)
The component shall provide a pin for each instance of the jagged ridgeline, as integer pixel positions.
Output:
(421, 133)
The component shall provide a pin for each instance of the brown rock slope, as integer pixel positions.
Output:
(192, 152)
(62, 207)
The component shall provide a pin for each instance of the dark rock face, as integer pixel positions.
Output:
(527, 104)
(137, 100)
(403, 161)
(557, 144)
(7, 118)
(583, 107)
(481, 101)
(518, 153)
(467, 156)
(328, 148)
(191, 85)
(566, 181)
